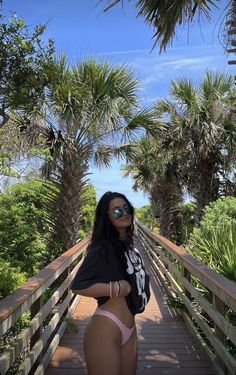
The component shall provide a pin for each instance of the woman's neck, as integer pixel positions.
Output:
(122, 235)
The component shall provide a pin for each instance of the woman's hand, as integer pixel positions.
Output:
(125, 288)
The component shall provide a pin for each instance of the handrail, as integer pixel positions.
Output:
(178, 270)
(207, 318)
(40, 338)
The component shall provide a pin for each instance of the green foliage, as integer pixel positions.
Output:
(214, 242)
(72, 326)
(5, 164)
(222, 210)
(25, 229)
(10, 278)
(23, 58)
(27, 232)
(188, 212)
(201, 126)
(24, 61)
(145, 215)
(88, 211)
(175, 302)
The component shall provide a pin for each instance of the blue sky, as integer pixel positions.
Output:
(81, 30)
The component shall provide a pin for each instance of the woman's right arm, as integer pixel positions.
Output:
(96, 290)
(103, 290)
(92, 278)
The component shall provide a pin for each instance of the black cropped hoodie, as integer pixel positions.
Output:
(114, 261)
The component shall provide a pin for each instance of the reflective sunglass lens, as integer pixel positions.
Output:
(118, 212)
(127, 209)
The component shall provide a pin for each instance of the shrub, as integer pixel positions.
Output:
(27, 236)
(10, 278)
(25, 229)
(189, 220)
(145, 215)
(214, 242)
(88, 211)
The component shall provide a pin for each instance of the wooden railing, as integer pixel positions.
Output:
(208, 299)
(49, 303)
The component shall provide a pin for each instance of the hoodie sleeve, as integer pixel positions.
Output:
(94, 269)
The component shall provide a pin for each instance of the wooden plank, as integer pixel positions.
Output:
(10, 355)
(232, 31)
(165, 345)
(218, 284)
(218, 318)
(21, 300)
(55, 342)
(231, 50)
(228, 328)
(230, 22)
(37, 349)
(195, 333)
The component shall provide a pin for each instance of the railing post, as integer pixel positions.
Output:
(221, 308)
(187, 275)
(35, 308)
(64, 275)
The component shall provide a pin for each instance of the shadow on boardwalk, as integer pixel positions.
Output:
(165, 345)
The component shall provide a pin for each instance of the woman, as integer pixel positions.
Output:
(114, 274)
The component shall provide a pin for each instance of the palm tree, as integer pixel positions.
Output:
(165, 16)
(93, 107)
(157, 174)
(202, 130)
(229, 32)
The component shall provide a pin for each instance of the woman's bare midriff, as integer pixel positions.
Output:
(118, 306)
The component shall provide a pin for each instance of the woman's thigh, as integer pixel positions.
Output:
(102, 347)
(129, 355)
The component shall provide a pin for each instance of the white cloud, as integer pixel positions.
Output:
(157, 70)
(189, 62)
(124, 52)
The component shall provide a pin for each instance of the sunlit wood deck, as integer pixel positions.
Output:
(165, 345)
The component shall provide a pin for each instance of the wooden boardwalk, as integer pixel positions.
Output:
(165, 345)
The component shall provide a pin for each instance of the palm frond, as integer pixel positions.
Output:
(103, 156)
(140, 174)
(125, 151)
(165, 16)
(184, 92)
(144, 121)
(214, 86)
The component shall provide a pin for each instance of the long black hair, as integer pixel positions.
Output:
(103, 230)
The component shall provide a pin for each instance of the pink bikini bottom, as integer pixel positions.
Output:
(125, 331)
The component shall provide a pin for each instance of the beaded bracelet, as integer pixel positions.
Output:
(114, 285)
(117, 289)
(110, 288)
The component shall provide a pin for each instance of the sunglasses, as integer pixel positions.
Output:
(119, 212)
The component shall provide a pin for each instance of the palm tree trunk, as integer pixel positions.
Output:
(72, 183)
(166, 196)
(208, 186)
